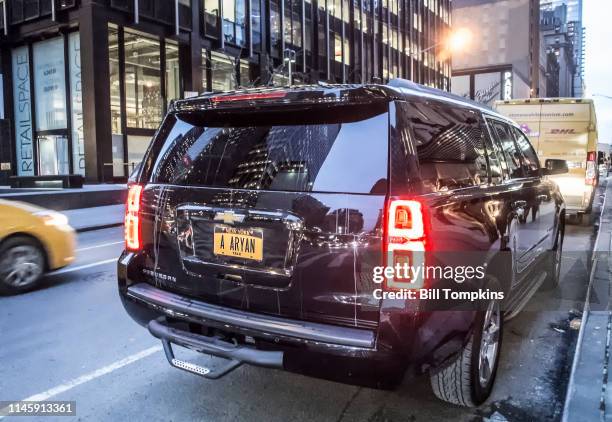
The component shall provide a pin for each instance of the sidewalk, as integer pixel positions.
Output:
(94, 218)
(69, 199)
(589, 392)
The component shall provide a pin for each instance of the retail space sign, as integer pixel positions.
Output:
(76, 94)
(22, 104)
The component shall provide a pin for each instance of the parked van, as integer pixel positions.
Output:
(566, 129)
(260, 219)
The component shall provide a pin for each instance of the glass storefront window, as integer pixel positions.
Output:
(223, 72)
(245, 77)
(53, 155)
(173, 79)
(143, 101)
(137, 146)
(50, 84)
(115, 81)
(234, 13)
(204, 70)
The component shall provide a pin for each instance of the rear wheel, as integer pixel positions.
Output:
(22, 263)
(468, 379)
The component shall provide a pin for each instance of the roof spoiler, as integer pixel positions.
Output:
(405, 83)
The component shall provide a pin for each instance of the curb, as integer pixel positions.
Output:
(585, 317)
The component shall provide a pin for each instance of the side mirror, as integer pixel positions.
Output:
(554, 166)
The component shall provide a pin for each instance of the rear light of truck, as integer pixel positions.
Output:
(590, 178)
(405, 241)
(132, 218)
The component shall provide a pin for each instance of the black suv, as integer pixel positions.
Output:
(263, 222)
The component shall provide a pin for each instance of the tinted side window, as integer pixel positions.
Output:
(495, 156)
(512, 154)
(450, 145)
(531, 164)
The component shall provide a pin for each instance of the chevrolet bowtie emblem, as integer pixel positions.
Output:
(229, 217)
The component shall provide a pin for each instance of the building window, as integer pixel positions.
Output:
(275, 28)
(173, 79)
(293, 22)
(138, 63)
(234, 13)
(256, 25)
(143, 100)
(50, 84)
(223, 71)
(211, 18)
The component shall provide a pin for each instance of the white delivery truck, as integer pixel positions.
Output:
(566, 129)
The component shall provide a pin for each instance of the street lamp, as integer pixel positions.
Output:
(456, 41)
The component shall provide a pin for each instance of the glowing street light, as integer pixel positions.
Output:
(459, 39)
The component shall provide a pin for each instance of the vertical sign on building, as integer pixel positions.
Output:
(76, 94)
(23, 111)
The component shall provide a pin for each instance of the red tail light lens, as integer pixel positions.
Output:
(405, 240)
(590, 175)
(132, 218)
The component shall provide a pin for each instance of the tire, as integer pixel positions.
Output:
(22, 264)
(553, 261)
(464, 381)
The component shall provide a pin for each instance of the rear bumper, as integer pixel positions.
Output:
(161, 302)
(335, 353)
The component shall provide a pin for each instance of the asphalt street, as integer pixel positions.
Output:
(72, 340)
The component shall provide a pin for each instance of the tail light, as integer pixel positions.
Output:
(405, 241)
(591, 169)
(132, 218)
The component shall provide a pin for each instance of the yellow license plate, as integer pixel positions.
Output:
(238, 242)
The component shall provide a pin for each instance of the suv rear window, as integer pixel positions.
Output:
(317, 151)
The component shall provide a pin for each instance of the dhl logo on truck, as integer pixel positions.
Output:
(561, 132)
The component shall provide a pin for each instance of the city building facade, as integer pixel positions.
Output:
(503, 61)
(576, 34)
(85, 83)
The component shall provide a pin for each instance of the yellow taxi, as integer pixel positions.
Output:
(32, 240)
